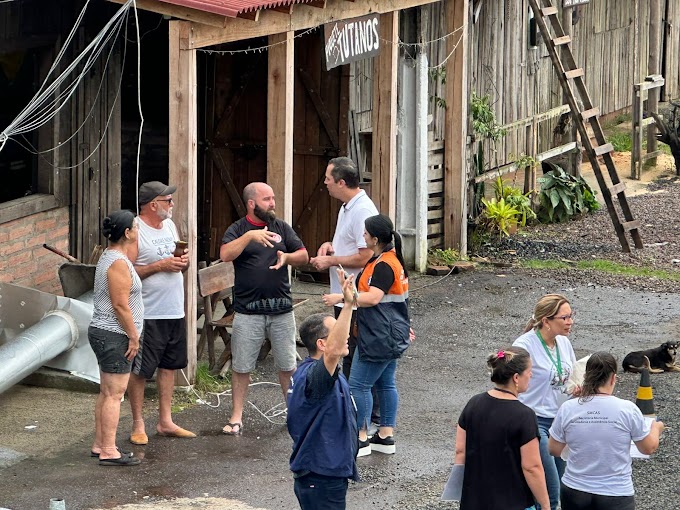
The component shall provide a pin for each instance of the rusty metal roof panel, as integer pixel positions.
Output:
(233, 8)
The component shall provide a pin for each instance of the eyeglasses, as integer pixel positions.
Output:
(169, 200)
(571, 316)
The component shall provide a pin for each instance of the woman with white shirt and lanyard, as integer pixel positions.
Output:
(553, 360)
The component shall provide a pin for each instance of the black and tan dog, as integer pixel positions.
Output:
(659, 359)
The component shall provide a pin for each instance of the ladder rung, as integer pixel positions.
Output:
(574, 73)
(631, 225)
(559, 41)
(589, 114)
(617, 188)
(604, 149)
(549, 11)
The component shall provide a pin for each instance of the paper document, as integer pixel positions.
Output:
(454, 485)
(634, 452)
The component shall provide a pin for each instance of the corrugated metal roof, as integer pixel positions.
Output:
(233, 8)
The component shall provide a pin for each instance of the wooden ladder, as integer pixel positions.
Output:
(568, 72)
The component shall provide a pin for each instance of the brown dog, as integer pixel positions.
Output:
(659, 359)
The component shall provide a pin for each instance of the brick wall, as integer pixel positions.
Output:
(23, 260)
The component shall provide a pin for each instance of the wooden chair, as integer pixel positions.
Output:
(214, 285)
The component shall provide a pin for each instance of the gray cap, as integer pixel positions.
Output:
(150, 190)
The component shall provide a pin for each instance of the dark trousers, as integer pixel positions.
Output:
(347, 363)
(318, 492)
(572, 499)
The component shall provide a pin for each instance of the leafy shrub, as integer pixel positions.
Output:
(515, 198)
(445, 257)
(563, 196)
(499, 216)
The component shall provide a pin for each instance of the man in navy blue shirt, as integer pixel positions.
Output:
(321, 412)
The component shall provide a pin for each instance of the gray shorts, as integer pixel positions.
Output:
(249, 333)
(110, 349)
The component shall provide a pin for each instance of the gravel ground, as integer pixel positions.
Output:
(593, 237)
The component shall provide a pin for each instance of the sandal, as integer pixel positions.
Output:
(236, 429)
(122, 452)
(125, 459)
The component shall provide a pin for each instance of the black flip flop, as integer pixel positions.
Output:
(233, 432)
(125, 459)
(122, 452)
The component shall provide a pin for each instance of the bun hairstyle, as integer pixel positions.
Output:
(506, 363)
(116, 223)
(381, 227)
(599, 369)
(546, 308)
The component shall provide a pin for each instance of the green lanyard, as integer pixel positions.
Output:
(557, 365)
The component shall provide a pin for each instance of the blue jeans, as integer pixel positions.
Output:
(382, 375)
(319, 492)
(552, 466)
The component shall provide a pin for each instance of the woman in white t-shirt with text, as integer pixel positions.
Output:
(553, 360)
(598, 428)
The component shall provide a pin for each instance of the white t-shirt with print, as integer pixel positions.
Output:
(349, 233)
(162, 293)
(598, 433)
(546, 392)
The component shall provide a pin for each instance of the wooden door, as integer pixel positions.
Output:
(234, 138)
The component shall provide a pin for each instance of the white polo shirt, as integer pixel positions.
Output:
(349, 232)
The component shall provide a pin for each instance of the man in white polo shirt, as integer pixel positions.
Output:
(348, 247)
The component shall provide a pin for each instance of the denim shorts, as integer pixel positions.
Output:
(110, 349)
(249, 333)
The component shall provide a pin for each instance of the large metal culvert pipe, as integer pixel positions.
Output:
(55, 333)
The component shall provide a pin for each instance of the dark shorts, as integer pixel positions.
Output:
(163, 345)
(572, 499)
(110, 349)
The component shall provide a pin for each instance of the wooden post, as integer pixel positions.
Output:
(183, 171)
(280, 122)
(384, 117)
(571, 134)
(653, 68)
(455, 92)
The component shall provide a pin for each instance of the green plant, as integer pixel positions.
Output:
(438, 74)
(499, 216)
(445, 257)
(622, 142)
(484, 119)
(563, 196)
(515, 198)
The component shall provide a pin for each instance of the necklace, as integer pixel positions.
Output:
(505, 391)
(557, 364)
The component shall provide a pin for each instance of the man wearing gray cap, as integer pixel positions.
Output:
(164, 343)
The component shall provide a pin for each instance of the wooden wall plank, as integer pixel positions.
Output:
(384, 157)
(280, 107)
(183, 117)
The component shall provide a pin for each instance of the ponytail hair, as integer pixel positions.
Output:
(506, 363)
(116, 223)
(599, 368)
(381, 227)
(546, 308)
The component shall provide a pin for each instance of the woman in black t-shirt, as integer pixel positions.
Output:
(497, 440)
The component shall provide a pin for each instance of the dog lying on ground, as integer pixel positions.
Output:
(657, 360)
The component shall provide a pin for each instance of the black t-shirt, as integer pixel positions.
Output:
(258, 289)
(495, 431)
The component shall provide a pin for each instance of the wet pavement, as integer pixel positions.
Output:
(458, 321)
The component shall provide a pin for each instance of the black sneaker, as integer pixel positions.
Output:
(383, 444)
(364, 448)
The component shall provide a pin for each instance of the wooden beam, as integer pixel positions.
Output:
(384, 117)
(251, 15)
(455, 129)
(183, 171)
(201, 17)
(303, 17)
(280, 98)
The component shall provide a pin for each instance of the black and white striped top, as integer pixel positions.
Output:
(104, 316)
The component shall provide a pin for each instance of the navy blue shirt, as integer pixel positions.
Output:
(322, 422)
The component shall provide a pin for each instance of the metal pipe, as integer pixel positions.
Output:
(54, 334)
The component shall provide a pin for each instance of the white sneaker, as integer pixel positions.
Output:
(364, 448)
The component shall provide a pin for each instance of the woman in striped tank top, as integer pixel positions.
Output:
(115, 331)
